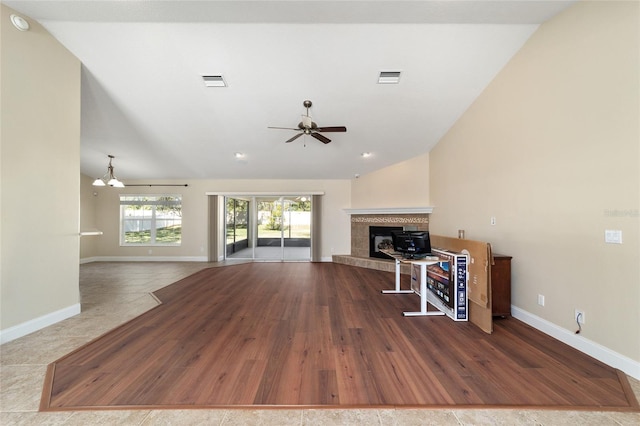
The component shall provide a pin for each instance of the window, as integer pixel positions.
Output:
(150, 220)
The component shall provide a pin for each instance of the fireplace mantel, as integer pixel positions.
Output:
(391, 210)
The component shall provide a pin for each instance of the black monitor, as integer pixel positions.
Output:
(412, 244)
(400, 240)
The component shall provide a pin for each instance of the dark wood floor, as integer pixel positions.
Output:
(320, 334)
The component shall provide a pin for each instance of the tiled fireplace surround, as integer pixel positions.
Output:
(360, 223)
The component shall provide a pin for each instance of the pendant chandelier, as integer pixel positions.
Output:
(109, 178)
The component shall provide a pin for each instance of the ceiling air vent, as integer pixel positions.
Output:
(389, 77)
(214, 81)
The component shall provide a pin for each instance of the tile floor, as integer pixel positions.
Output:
(112, 293)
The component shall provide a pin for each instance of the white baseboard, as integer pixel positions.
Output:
(589, 347)
(39, 323)
(145, 259)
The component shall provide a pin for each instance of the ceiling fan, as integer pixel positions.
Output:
(308, 127)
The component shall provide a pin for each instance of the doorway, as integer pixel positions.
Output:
(268, 228)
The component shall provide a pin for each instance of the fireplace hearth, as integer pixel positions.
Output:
(380, 238)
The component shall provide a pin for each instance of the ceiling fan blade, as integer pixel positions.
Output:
(295, 137)
(332, 129)
(283, 128)
(321, 138)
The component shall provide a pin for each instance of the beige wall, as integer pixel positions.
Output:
(195, 207)
(404, 184)
(40, 174)
(551, 150)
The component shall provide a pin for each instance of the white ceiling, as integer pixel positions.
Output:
(143, 99)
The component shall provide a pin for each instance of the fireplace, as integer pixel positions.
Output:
(363, 219)
(380, 238)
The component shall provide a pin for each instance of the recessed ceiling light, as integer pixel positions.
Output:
(20, 23)
(214, 81)
(238, 155)
(389, 77)
(366, 154)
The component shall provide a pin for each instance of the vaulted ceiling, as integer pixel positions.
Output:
(144, 100)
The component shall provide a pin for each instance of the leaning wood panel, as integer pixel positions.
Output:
(481, 316)
(479, 276)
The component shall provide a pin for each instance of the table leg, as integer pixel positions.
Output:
(423, 297)
(397, 289)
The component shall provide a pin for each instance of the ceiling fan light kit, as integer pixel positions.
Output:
(308, 127)
(109, 178)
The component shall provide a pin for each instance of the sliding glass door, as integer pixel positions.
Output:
(296, 218)
(277, 229)
(237, 230)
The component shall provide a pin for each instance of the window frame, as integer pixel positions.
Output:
(152, 200)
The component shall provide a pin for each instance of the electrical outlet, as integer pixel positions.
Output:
(540, 300)
(579, 317)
